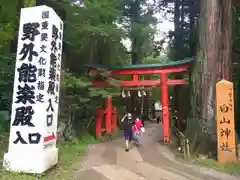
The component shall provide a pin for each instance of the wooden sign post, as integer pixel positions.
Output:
(225, 122)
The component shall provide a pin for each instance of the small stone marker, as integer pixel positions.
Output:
(32, 142)
(225, 122)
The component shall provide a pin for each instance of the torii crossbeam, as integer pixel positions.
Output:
(146, 69)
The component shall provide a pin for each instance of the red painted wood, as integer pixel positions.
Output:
(114, 119)
(155, 70)
(151, 82)
(143, 82)
(135, 77)
(173, 69)
(136, 82)
(165, 110)
(99, 121)
(108, 115)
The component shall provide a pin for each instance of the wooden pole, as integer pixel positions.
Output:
(108, 116)
(165, 111)
(99, 121)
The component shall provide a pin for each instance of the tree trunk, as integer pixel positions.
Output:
(213, 64)
(178, 30)
(226, 53)
(178, 55)
(192, 39)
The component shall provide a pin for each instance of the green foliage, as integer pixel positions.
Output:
(71, 81)
(6, 80)
(29, 3)
(4, 126)
(8, 23)
(155, 60)
(93, 33)
(138, 22)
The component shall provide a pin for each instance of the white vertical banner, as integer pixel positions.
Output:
(53, 82)
(34, 118)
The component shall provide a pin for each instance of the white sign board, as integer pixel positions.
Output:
(32, 142)
(158, 106)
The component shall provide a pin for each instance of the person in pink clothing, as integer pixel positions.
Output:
(136, 129)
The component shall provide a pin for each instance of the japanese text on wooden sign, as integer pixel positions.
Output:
(225, 122)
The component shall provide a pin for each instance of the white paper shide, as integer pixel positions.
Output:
(32, 141)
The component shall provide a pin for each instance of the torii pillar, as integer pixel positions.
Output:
(165, 109)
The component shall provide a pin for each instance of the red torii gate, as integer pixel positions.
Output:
(140, 69)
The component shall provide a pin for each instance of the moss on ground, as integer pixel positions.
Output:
(231, 168)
